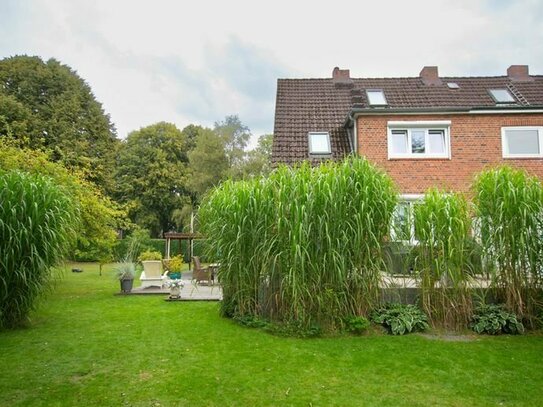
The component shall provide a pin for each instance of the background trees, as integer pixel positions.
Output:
(48, 114)
(47, 106)
(151, 175)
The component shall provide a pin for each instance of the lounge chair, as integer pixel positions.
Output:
(151, 275)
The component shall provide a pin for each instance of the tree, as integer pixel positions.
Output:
(208, 162)
(151, 175)
(258, 160)
(46, 106)
(234, 135)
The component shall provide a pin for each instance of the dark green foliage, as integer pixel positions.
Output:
(302, 246)
(399, 319)
(494, 319)
(509, 208)
(36, 228)
(151, 176)
(47, 106)
(356, 325)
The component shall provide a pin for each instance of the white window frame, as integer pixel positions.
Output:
(505, 148)
(319, 153)
(411, 200)
(408, 126)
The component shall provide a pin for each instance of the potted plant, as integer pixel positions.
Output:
(174, 266)
(152, 262)
(175, 288)
(125, 273)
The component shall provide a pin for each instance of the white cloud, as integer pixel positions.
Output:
(195, 62)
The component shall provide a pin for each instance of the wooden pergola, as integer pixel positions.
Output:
(169, 236)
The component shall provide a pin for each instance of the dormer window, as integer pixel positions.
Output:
(376, 97)
(319, 143)
(501, 96)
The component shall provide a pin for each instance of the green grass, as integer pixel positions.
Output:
(87, 347)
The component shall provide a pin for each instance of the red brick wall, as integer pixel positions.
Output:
(475, 144)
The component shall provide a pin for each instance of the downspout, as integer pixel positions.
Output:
(354, 141)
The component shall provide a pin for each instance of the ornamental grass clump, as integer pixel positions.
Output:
(443, 261)
(36, 228)
(304, 245)
(509, 210)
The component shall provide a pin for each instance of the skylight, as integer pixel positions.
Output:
(501, 96)
(376, 97)
(453, 85)
(319, 143)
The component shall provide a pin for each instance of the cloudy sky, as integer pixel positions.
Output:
(198, 61)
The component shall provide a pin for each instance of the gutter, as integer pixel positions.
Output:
(364, 111)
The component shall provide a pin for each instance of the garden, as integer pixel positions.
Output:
(309, 298)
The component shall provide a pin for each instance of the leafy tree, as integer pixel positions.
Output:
(209, 163)
(99, 216)
(151, 175)
(258, 160)
(235, 136)
(47, 106)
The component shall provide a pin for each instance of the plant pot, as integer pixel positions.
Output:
(126, 285)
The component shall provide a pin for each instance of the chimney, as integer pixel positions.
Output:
(430, 76)
(519, 73)
(341, 75)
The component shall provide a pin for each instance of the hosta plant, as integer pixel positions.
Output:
(399, 319)
(494, 319)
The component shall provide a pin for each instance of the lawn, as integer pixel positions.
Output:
(87, 347)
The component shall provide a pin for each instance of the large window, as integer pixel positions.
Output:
(522, 142)
(418, 140)
(319, 143)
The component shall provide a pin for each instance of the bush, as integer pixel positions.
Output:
(400, 319)
(150, 255)
(37, 222)
(495, 319)
(356, 325)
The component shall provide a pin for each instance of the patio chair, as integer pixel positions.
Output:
(199, 273)
(151, 275)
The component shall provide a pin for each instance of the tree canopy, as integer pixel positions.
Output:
(151, 175)
(46, 106)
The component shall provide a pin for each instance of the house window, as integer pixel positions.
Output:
(376, 97)
(522, 142)
(319, 143)
(501, 96)
(418, 140)
(403, 220)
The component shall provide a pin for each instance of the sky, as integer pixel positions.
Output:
(195, 62)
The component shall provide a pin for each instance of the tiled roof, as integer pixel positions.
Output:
(305, 105)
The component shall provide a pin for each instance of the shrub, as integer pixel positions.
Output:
(509, 208)
(150, 255)
(37, 221)
(400, 319)
(495, 319)
(302, 246)
(356, 324)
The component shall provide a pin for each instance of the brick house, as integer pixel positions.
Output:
(424, 131)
